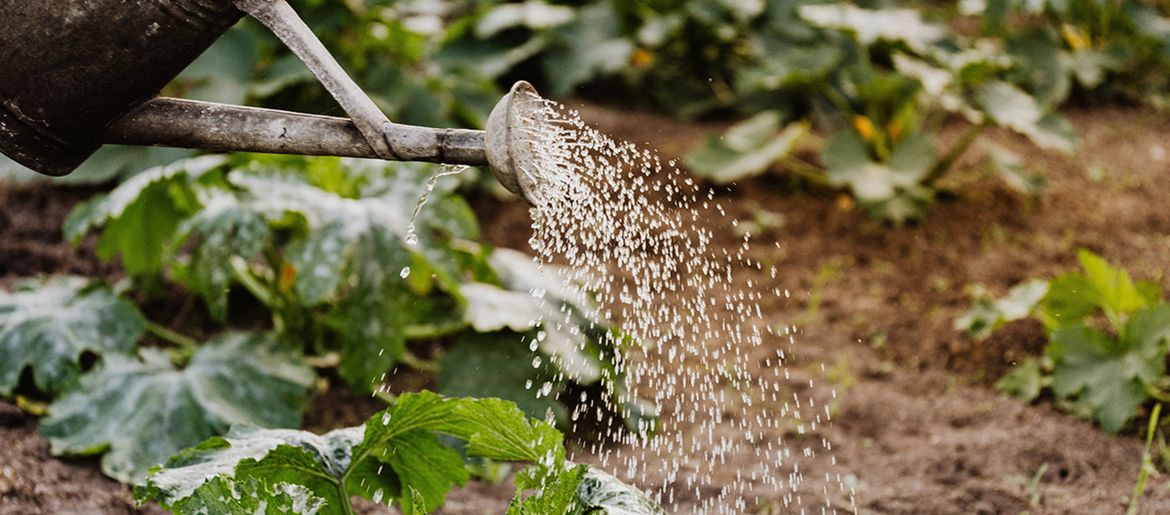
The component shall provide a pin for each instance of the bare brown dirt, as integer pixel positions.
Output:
(917, 427)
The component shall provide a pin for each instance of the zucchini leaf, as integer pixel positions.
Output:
(143, 410)
(47, 325)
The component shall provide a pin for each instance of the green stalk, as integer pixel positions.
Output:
(418, 363)
(805, 171)
(942, 165)
(1147, 468)
(185, 343)
(432, 331)
(252, 283)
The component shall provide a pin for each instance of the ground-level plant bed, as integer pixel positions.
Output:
(916, 425)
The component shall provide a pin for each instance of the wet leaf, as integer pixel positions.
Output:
(491, 308)
(603, 493)
(871, 26)
(47, 325)
(889, 191)
(395, 455)
(589, 46)
(143, 410)
(499, 365)
(224, 228)
(251, 496)
(1011, 107)
(140, 216)
(1010, 167)
(747, 149)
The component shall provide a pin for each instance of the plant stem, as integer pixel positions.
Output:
(418, 363)
(432, 331)
(806, 171)
(942, 165)
(1147, 463)
(252, 284)
(386, 397)
(185, 343)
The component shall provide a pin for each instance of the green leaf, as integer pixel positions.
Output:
(47, 326)
(1110, 375)
(553, 491)
(1074, 297)
(1114, 289)
(532, 14)
(591, 45)
(254, 454)
(1011, 107)
(891, 190)
(871, 26)
(374, 337)
(426, 468)
(604, 494)
(140, 215)
(491, 308)
(1010, 167)
(142, 411)
(225, 228)
(747, 149)
(1023, 382)
(499, 365)
(395, 455)
(988, 314)
(251, 496)
(497, 429)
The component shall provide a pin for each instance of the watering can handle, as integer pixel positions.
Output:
(282, 20)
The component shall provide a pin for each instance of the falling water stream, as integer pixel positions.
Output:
(622, 226)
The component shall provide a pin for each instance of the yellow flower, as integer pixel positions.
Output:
(1076, 38)
(864, 127)
(641, 58)
(288, 276)
(894, 129)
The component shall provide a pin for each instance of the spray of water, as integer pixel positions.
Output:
(411, 237)
(626, 228)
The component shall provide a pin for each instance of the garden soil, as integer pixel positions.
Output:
(917, 427)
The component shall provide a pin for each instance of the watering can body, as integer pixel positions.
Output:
(75, 74)
(69, 68)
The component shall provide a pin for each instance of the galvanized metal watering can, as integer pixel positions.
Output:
(75, 74)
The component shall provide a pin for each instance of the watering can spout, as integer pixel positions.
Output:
(80, 73)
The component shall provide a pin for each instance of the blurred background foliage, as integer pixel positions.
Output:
(875, 80)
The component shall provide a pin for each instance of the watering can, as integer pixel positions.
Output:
(75, 74)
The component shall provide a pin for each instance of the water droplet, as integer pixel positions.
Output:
(378, 494)
(405, 272)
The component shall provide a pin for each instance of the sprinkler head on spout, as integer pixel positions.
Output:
(510, 143)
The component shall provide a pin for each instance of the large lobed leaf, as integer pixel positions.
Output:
(747, 149)
(1074, 297)
(395, 455)
(143, 410)
(141, 215)
(890, 190)
(988, 314)
(1110, 375)
(46, 325)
